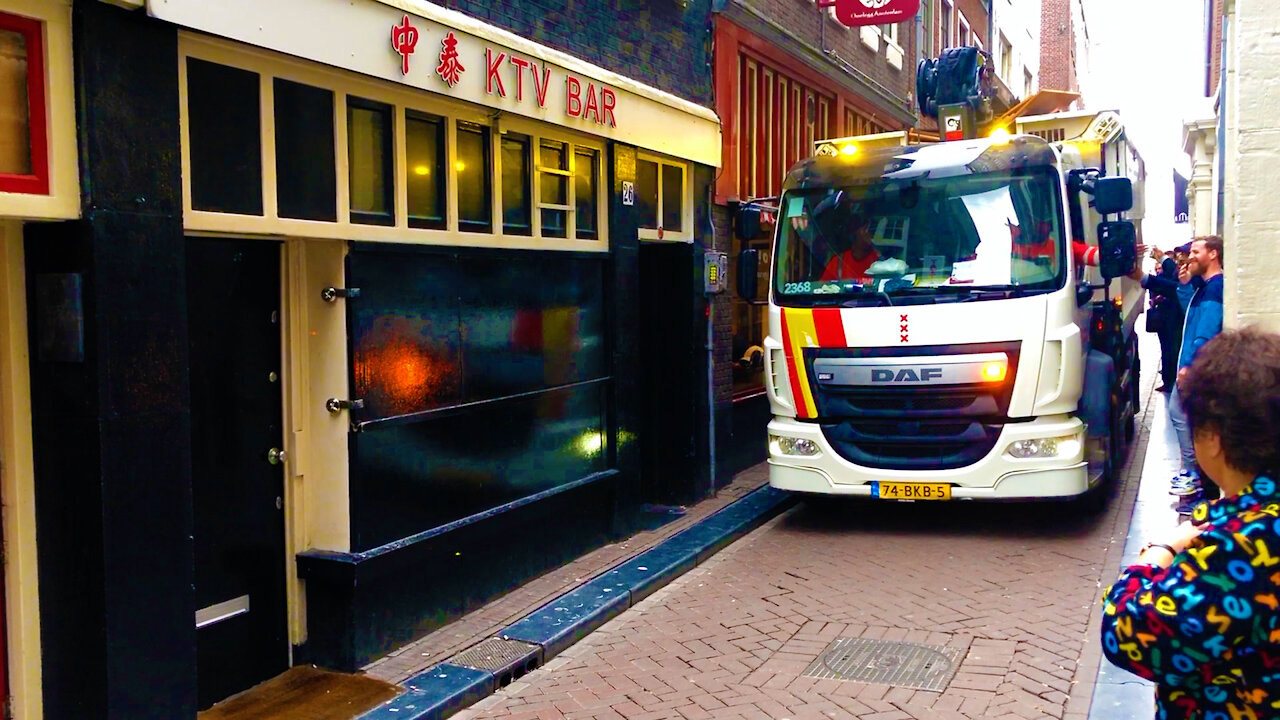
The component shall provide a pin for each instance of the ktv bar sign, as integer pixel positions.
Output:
(875, 12)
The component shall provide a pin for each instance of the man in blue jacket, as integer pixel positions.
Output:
(1203, 321)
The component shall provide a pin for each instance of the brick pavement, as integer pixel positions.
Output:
(409, 660)
(1015, 586)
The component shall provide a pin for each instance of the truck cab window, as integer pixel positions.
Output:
(921, 237)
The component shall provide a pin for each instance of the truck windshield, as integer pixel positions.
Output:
(975, 236)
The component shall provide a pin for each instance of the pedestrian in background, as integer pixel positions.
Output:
(1164, 317)
(1203, 320)
(1198, 613)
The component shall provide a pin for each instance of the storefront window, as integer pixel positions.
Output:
(672, 198)
(15, 131)
(585, 167)
(224, 126)
(647, 193)
(516, 212)
(24, 160)
(660, 190)
(425, 174)
(445, 173)
(480, 387)
(475, 209)
(369, 161)
(553, 171)
(306, 169)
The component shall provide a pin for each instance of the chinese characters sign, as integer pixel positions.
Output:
(504, 69)
(404, 37)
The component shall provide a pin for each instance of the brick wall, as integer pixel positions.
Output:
(1057, 46)
(975, 13)
(722, 313)
(658, 42)
(1214, 50)
(815, 27)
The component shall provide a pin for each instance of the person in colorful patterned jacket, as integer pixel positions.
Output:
(1199, 612)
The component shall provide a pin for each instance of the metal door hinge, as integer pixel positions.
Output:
(335, 406)
(331, 293)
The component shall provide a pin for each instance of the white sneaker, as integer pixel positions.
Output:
(1185, 483)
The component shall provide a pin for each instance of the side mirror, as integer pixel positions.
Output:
(746, 222)
(1117, 250)
(1084, 294)
(1112, 195)
(748, 267)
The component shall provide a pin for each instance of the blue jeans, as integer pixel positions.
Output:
(1178, 419)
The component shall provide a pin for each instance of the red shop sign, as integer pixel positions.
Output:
(875, 12)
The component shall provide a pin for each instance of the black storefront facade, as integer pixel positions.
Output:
(378, 323)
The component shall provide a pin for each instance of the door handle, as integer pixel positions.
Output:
(276, 456)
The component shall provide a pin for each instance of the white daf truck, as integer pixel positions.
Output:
(953, 320)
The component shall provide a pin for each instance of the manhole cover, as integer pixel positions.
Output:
(901, 664)
(495, 654)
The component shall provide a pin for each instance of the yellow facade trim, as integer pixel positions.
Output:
(317, 492)
(17, 483)
(63, 200)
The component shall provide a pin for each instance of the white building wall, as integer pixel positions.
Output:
(1252, 212)
(1019, 22)
(1080, 23)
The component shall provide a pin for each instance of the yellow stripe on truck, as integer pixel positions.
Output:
(802, 333)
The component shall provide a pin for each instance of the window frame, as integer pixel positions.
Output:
(403, 100)
(685, 234)
(35, 182)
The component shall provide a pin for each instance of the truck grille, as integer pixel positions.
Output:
(914, 427)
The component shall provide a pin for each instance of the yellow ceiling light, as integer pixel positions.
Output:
(421, 170)
(1000, 136)
(849, 149)
(459, 166)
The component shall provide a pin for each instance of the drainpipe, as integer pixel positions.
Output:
(711, 354)
(991, 27)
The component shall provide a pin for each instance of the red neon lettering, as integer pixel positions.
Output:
(522, 65)
(607, 102)
(541, 87)
(593, 107)
(572, 99)
(492, 77)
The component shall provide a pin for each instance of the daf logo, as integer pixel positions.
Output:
(880, 375)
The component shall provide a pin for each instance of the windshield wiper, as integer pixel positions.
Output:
(983, 292)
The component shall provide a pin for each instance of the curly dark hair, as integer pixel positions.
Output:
(1233, 388)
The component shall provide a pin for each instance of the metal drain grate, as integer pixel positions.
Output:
(496, 654)
(900, 664)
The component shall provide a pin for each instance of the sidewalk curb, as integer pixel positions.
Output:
(447, 688)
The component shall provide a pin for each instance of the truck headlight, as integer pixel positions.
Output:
(794, 446)
(1043, 447)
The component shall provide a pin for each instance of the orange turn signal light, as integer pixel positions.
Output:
(993, 372)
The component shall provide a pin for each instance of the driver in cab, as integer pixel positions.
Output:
(852, 264)
(839, 226)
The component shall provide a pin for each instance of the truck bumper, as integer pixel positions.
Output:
(998, 476)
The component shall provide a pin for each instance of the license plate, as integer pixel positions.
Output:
(910, 491)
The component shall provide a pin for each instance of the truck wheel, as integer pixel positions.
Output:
(1094, 500)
